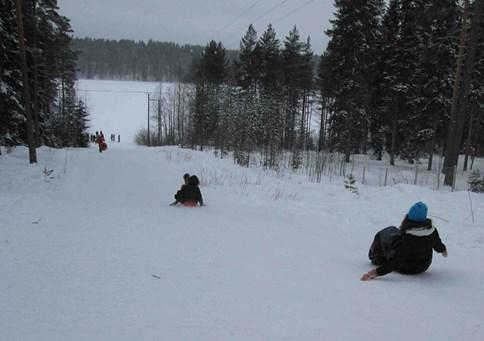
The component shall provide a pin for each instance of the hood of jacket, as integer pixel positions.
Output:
(417, 228)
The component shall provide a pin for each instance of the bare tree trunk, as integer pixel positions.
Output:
(303, 122)
(432, 144)
(173, 118)
(63, 113)
(159, 120)
(309, 121)
(178, 116)
(322, 125)
(25, 85)
(148, 133)
(394, 136)
(348, 142)
(365, 136)
(35, 80)
(468, 144)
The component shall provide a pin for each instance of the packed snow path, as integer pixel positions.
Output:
(94, 252)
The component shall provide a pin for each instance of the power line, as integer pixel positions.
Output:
(260, 16)
(294, 11)
(115, 91)
(270, 10)
(238, 17)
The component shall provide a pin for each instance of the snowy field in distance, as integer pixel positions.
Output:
(118, 107)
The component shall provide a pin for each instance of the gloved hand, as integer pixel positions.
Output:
(369, 275)
(445, 254)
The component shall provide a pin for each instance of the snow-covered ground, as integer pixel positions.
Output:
(93, 252)
(90, 249)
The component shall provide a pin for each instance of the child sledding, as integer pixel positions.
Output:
(407, 249)
(189, 194)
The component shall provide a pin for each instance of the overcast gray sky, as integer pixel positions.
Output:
(197, 21)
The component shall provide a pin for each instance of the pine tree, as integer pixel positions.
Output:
(245, 119)
(247, 67)
(271, 85)
(437, 63)
(326, 97)
(50, 65)
(475, 140)
(306, 70)
(350, 52)
(414, 70)
(291, 61)
(211, 72)
(461, 99)
(26, 94)
(11, 119)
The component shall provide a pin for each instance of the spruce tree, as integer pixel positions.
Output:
(247, 67)
(351, 52)
(11, 119)
(211, 72)
(291, 62)
(50, 64)
(245, 118)
(271, 86)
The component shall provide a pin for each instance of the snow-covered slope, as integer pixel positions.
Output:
(94, 252)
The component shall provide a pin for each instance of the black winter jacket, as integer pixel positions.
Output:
(189, 193)
(413, 249)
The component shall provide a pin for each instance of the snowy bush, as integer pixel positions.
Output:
(476, 182)
(350, 183)
(141, 137)
(278, 193)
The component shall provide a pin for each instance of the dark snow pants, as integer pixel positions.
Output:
(384, 245)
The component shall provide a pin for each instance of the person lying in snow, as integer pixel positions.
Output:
(186, 177)
(407, 249)
(189, 194)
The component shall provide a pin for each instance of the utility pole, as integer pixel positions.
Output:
(148, 142)
(25, 84)
(149, 101)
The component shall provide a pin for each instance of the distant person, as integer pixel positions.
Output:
(186, 178)
(119, 138)
(101, 142)
(407, 249)
(190, 195)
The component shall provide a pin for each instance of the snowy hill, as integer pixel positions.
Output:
(92, 251)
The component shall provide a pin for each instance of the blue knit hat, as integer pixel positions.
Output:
(418, 212)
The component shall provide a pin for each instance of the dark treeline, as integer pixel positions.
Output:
(58, 118)
(385, 84)
(136, 60)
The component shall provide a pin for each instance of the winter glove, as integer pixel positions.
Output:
(369, 275)
(445, 254)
